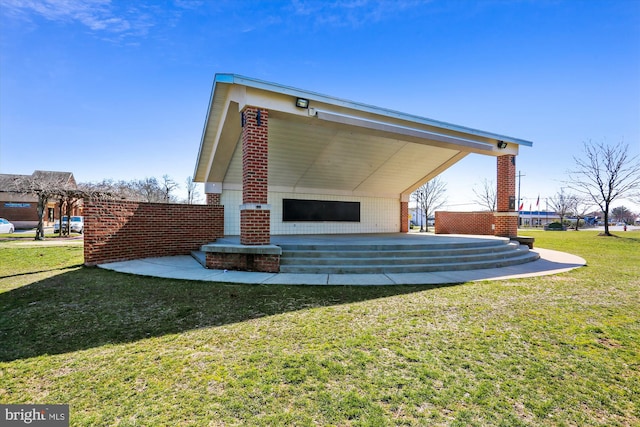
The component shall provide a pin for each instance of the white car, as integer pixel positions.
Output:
(77, 224)
(6, 226)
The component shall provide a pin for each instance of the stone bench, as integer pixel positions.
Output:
(524, 240)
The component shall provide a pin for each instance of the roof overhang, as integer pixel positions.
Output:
(334, 145)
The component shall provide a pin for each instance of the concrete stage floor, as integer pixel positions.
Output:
(186, 267)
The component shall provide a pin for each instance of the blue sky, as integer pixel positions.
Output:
(120, 89)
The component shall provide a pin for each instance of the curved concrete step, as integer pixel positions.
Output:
(422, 253)
(437, 246)
(365, 260)
(409, 257)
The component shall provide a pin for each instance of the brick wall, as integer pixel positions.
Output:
(125, 230)
(464, 223)
(506, 224)
(243, 262)
(213, 198)
(255, 223)
(404, 217)
(13, 214)
(255, 227)
(506, 182)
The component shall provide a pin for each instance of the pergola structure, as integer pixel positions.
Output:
(289, 161)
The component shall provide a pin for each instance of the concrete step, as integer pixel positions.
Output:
(393, 247)
(201, 257)
(416, 268)
(365, 255)
(359, 259)
(381, 259)
(423, 252)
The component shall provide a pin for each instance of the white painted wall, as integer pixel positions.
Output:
(377, 215)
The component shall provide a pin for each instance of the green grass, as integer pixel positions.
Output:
(31, 235)
(128, 350)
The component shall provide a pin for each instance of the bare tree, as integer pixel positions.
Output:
(486, 195)
(605, 173)
(109, 188)
(70, 199)
(168, 185)
(581, 208)
(563, 204)
(142, 190)
(149, 190)
(429, 197)
(192, 194)
(45, 186)
(622, 214)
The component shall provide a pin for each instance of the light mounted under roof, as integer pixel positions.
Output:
(302, 103)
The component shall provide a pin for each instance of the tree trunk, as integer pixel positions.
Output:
(606, 220)
(67, 229)
(42, 202)
(60, 218)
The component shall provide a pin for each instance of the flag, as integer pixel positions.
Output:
(521, 206)
(538, 201)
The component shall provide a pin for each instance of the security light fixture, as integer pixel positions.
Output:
(502, 145)
(302, 103)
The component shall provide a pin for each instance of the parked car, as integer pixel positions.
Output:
(76, 225)
(6, 226)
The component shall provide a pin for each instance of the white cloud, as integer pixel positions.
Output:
(352, 13)
(100, 16)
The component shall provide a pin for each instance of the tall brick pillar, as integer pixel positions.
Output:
(506, 216)
(404, 217)
(255, 216)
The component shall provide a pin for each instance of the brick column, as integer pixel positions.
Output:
(255, 217)
(506, 217)
(404, 217)
(213, 199)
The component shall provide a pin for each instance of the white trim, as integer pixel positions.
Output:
(505, 214)
(213, 188)
(255, 207)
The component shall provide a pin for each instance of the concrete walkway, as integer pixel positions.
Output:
(187, 268)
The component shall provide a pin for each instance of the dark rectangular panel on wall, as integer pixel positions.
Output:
(320, 210)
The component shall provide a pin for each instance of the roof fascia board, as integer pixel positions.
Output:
(313, 96)
(216, 139)
(196, 175)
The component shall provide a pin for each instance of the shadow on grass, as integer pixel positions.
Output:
(90, 307)
(41, 271)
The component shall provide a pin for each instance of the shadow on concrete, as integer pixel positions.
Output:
(91, 307)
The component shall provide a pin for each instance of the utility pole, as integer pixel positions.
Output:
(520, 175)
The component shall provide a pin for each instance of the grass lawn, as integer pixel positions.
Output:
(127, 350)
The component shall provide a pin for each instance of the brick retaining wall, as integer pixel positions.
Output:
(124, 230)
(243, 262)
(465, 223)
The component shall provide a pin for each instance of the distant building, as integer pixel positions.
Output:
(538, 218)
(22, 209)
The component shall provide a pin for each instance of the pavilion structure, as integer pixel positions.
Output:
(286, 161)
